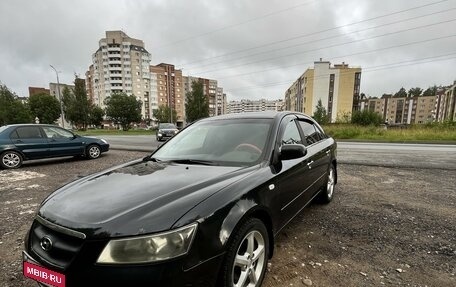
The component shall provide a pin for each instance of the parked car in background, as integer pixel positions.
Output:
(166, 131)
(33, 141)
(203, 210)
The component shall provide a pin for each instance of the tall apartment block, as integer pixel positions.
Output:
(245, 106)
(121, 64)
(167, 90)
(221, 103)
(338, 88)
(209, 88)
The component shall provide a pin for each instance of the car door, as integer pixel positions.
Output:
(319, 148)
(63, 142)
(294, 177)
(30, 141)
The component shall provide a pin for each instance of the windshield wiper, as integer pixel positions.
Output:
(193, 161)
(149, 158)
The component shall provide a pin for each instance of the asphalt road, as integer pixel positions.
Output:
(373, 154)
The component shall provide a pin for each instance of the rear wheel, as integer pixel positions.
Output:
(247, 256)
(327, 193)
(11, 159)
(93, 151)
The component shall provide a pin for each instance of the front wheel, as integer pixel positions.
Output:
(93, 151)
(247, 256)
(11, 159)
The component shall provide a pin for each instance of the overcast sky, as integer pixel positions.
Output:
(254, 48)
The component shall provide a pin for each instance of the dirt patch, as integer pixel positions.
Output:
(385, 226)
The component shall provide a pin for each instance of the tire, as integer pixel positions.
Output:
(11, 159)
(93, 151)
(247, 255)
(327, 192)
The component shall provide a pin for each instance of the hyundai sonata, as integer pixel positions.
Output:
(202, 210)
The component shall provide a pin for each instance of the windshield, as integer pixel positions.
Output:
(166, 126)
(236, 142)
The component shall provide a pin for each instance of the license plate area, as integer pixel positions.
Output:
(47, 277)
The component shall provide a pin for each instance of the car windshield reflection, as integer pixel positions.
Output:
(237, 142)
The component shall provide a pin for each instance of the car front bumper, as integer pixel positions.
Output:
(81, 273)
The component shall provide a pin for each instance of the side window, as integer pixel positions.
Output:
(291, 134)
(28, 132)
(53, 132)
(311, 133)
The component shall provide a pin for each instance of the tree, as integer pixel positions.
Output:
(76, 104)
(320, 115)
(45, 107)
(96, 115)
(402, 93)
(197, 104)
(431, 91)
(12, 110)
(415, 92)
(123, 109)
(163, 114)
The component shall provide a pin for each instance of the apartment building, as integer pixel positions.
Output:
(167, 90)
(245, 106)
(404, 110)
(221, 103)
(446, 104)
(121, 64)
(338, 88)
(209, 89)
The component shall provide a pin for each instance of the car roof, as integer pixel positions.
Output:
(30, 124)
(257, 115)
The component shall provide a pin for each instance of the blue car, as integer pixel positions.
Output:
(32, 141)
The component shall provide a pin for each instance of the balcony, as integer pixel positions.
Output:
(111, 49)
(116, 81)
(115, 68)
(115, 62)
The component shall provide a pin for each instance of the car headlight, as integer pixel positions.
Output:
(104, 141)
(176, 131)
(159, 134)
(150, 248)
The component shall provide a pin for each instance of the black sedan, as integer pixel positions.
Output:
(31, 141)
(166, 131)
(203, 210)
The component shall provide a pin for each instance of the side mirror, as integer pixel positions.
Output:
(292, 151)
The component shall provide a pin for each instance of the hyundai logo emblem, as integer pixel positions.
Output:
(46, 243)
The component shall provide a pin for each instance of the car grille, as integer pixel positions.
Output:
(64, 246)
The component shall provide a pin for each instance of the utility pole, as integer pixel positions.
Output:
(60, 98)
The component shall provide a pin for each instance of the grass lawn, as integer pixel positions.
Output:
(415, 133)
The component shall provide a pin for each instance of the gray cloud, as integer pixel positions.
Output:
(65, 34)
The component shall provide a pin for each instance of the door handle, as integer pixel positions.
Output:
(19, 141)
(328, 152)
(309, 164)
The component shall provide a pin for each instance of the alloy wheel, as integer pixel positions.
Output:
(331, 182)
(249, 261)
(11, 160)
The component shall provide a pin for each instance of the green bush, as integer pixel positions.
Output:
(366, 118)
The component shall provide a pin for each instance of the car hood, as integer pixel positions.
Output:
(136, 198)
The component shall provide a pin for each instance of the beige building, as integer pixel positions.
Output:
(446, 104)
(121, 64)
(338, 88)
(405, 110)
(245, 106)
(167, 90)
(209, 89)
(221, 103)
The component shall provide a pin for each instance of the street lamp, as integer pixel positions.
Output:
(60, 98)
